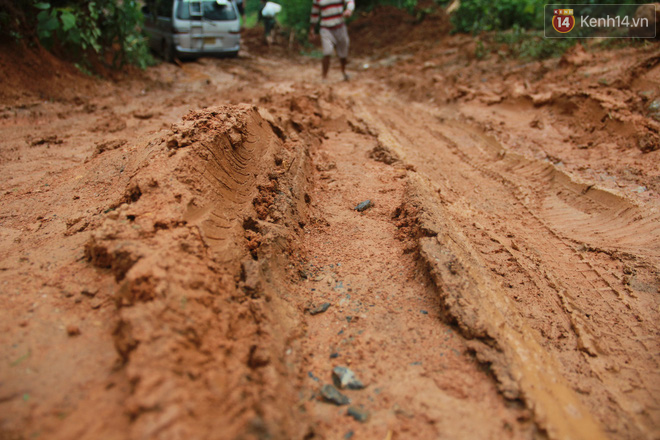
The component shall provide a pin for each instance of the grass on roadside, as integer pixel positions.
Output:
(532, 45)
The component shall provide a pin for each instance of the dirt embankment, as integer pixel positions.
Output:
(578, 111)
(467, 236)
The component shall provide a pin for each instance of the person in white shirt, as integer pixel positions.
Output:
(267, 14)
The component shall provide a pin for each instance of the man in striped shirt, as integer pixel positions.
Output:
(334, 36)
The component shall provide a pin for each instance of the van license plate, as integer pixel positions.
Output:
(209, 40)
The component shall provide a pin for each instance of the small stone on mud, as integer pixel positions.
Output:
(541, 99)
(349, 435)
(332, 395)
(344, 378)
(319, 309)
(67, 293)
(258, 357)
(359, 414)
(423, 312)
(326, 166)
(91, 292)
(72, 330)
(364, 206)
(383, 154)
(96, 303)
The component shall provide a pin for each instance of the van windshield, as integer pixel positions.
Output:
(211, 9)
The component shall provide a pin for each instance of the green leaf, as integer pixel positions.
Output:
(51, 24)
(68, 20)
(42, 5)
(43, 35)
(74, 36)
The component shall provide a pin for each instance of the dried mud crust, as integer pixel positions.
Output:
(200, 324)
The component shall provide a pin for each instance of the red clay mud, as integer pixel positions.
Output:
(181, 255)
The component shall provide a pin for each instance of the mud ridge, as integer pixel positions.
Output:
(499, 338)
(198, 248)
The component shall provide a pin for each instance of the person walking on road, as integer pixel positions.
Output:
(267, 14)
(330, 15)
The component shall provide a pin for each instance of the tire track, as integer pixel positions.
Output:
(584, 292)
(611, 329)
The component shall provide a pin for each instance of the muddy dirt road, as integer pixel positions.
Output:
(181, 253)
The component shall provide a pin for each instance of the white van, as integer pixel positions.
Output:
(189, 28)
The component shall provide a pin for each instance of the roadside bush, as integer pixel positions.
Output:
(85, 32)
(295, 13)
(532, 45)
(518, 24)
(12, 20)
(477, 16)
(483, 15)
(295, 16)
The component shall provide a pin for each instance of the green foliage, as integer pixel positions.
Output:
(250, 20)
(295, 15)
(477, 16)
(518, 24)
(75, 28)
(120, 25)
(252, 7)
(483, 15)
(105, 31)
(408, 5)
(532, 45)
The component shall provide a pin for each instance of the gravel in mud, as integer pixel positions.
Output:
(183, 252)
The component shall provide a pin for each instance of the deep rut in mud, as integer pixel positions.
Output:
(201, 266)
(384, 322)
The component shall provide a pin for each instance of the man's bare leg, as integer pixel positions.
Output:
(326, 66)
(343, 62)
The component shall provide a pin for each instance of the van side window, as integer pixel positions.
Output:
(164, 8)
